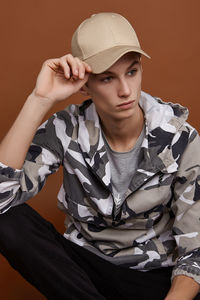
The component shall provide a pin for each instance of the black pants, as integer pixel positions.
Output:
(59, 269)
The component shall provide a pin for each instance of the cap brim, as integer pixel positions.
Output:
(102, 61)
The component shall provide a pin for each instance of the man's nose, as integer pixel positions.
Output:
(123, 88)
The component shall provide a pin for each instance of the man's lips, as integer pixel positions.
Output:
(125, 103)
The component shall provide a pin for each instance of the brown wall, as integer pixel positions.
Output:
(34, 30)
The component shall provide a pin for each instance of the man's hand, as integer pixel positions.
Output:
(59, 78)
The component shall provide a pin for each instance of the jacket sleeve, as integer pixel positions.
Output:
(186, 208)
(43, 158)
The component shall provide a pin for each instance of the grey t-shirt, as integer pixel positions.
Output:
(123, 165)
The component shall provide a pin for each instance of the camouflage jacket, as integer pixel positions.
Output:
(158, 222)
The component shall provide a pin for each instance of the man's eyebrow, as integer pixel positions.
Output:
(106, 73)
(136, 61)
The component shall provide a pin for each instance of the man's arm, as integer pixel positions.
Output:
(186, 208)
(54, 83)
(183, 288)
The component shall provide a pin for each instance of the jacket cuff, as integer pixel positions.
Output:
(9, 172)
(178, 271)
(188, 265)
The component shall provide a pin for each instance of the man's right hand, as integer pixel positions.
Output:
(58, 79)
(61, 77)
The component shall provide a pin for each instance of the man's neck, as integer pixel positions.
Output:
(123, 134)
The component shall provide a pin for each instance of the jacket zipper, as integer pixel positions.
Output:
(118, 216)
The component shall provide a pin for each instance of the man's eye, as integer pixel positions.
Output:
(107, 79)
(132, 72)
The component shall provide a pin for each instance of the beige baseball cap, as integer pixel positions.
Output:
(102, 39)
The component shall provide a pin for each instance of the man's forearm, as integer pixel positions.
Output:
(14, 146)
(183, 288)
(54, 83)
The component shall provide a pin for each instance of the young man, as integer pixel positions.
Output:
(130, 178)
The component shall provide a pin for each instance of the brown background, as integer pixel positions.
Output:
(34, 30)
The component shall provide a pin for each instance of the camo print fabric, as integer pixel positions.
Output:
(158, 222)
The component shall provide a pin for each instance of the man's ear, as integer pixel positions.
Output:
(85, 90)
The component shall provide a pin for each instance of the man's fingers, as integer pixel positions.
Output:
(71, 67)
(77, 67)
(87, 67)
(81, 68)
(80, 82)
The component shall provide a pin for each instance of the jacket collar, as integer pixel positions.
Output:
(91, 142)
(163, 130)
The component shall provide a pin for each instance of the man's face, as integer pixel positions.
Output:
(116, 92)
